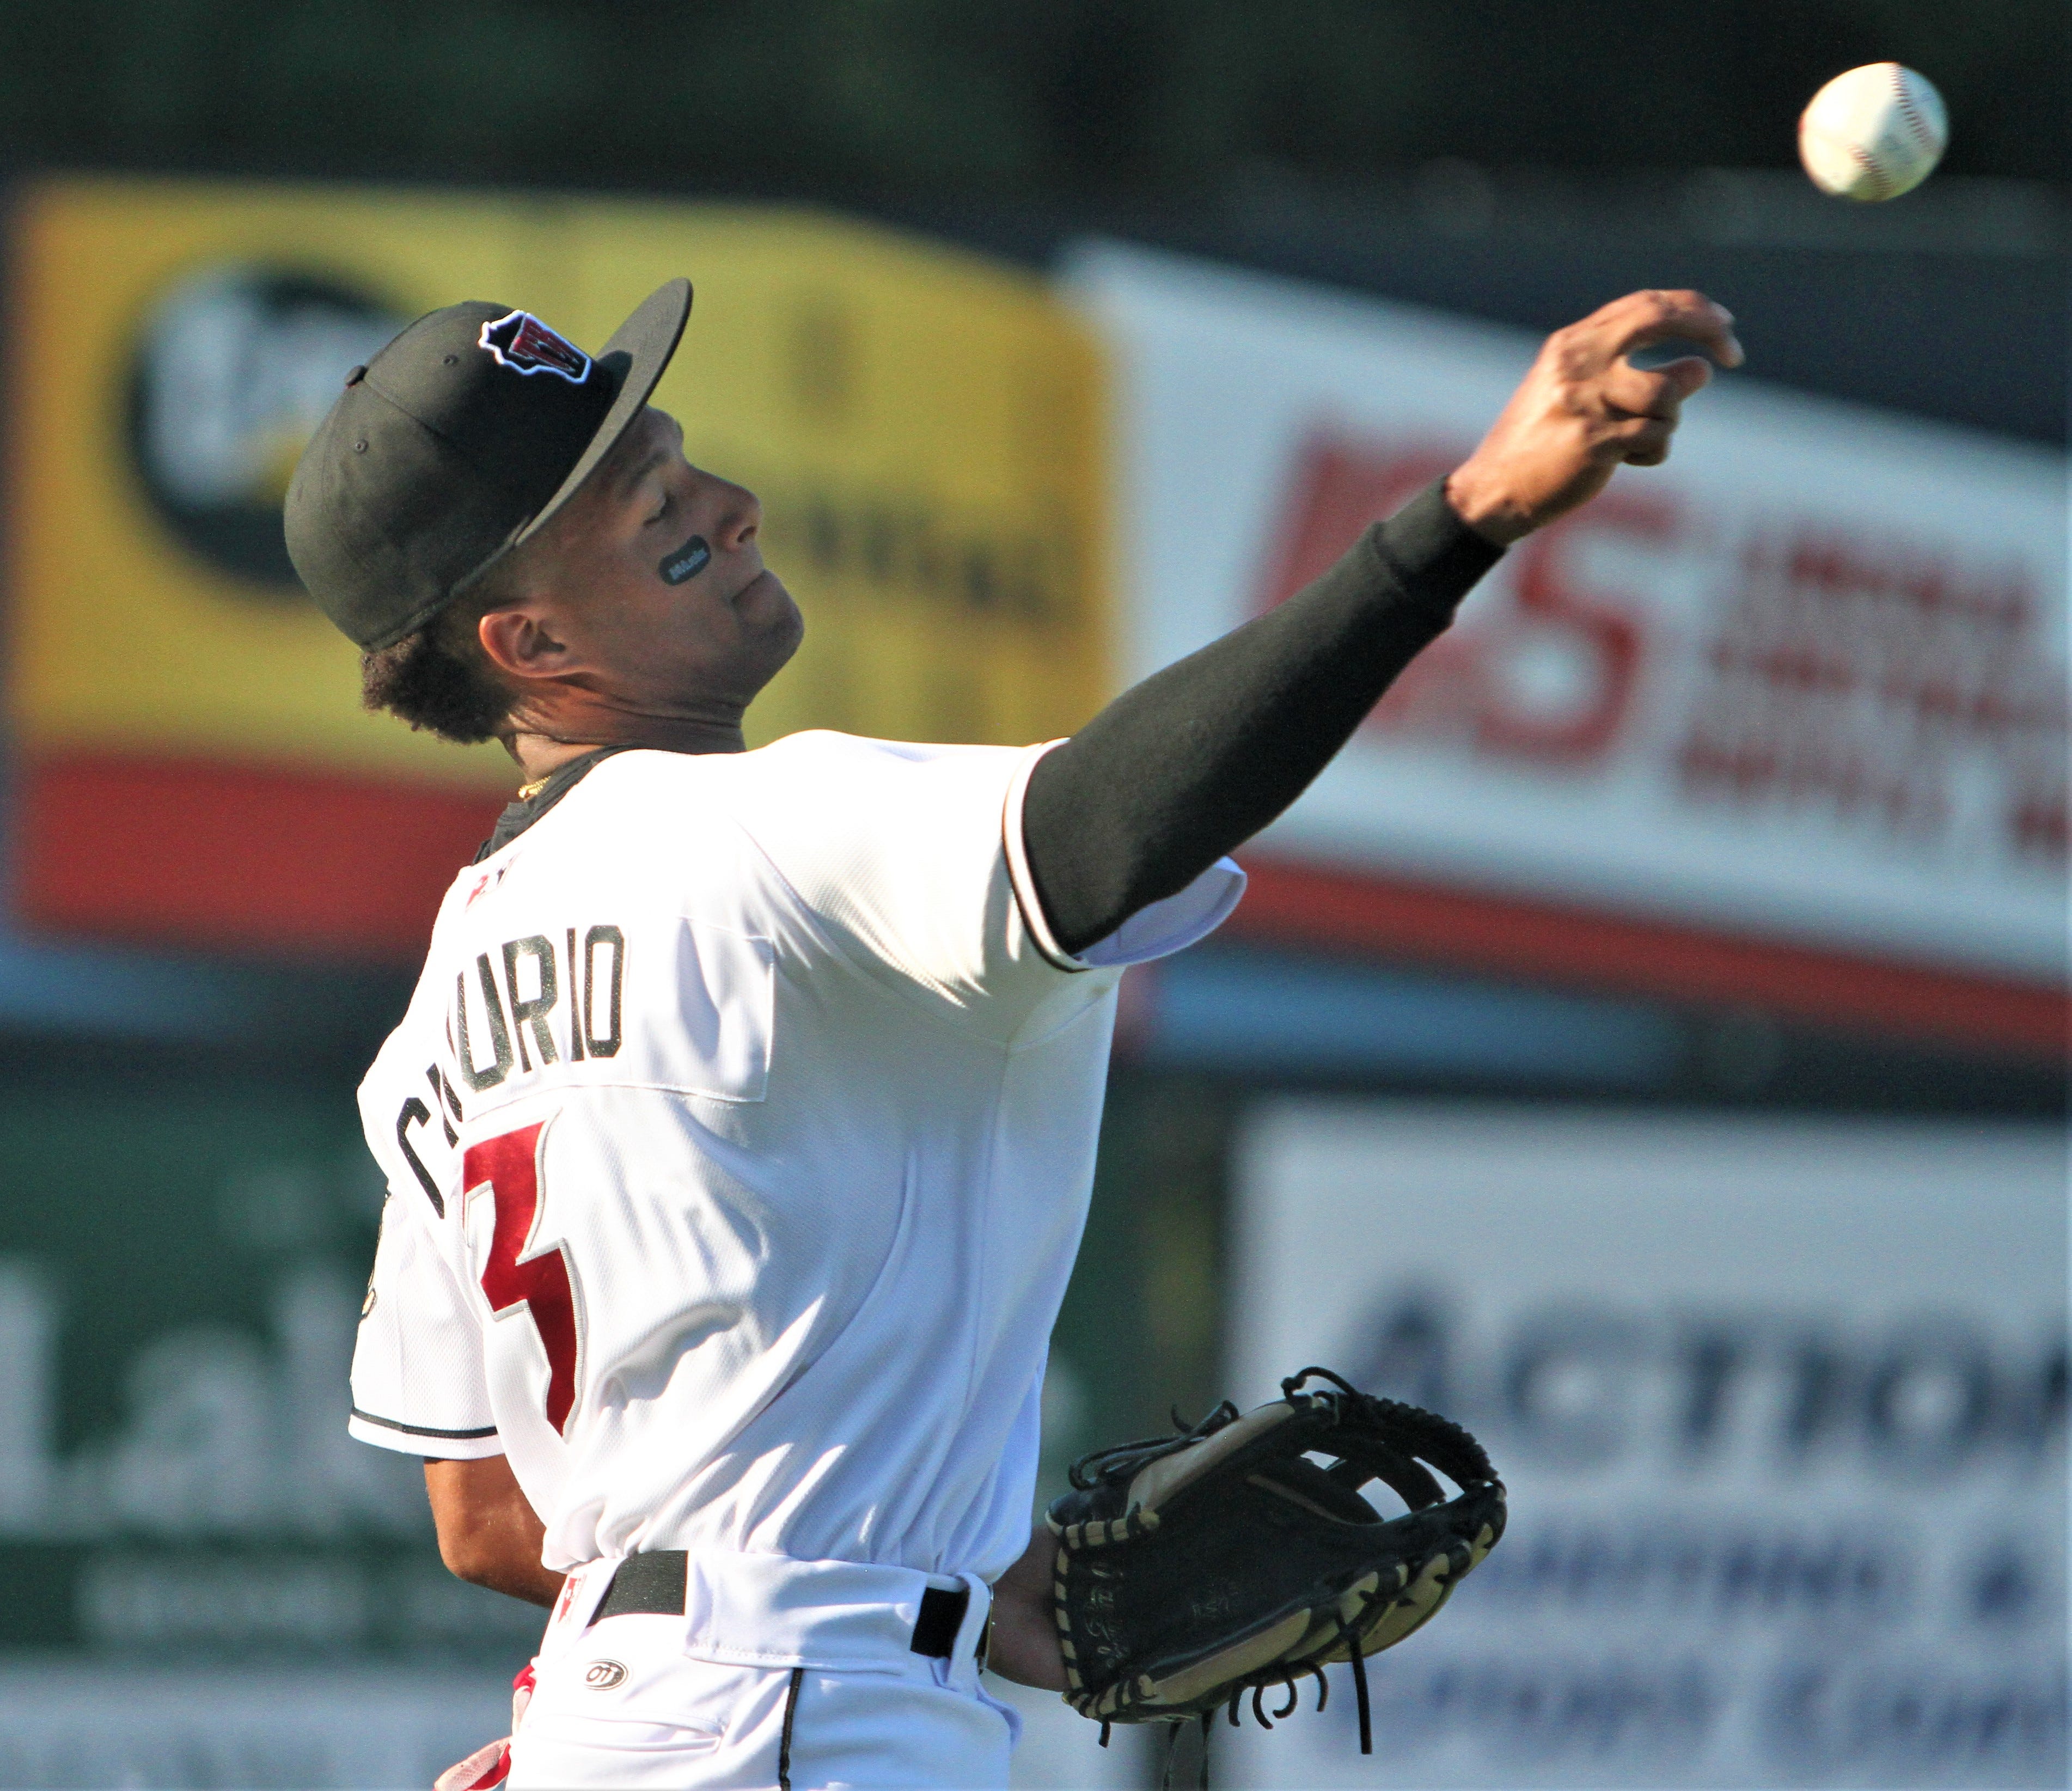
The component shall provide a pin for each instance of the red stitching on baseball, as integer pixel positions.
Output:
(1874, 168)
(1862, 158)
(1923, 136)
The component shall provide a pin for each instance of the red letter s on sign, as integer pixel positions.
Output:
(508, 1168)
(1606, 632)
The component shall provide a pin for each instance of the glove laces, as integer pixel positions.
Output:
(1125, 1460)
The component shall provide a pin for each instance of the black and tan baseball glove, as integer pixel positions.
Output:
(1193, 1568)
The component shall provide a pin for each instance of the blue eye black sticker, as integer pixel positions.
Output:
(687, 561)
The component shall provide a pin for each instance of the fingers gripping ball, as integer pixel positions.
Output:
(1872, 133)
(1192, 1569)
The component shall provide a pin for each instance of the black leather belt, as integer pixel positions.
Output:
(652, 1584)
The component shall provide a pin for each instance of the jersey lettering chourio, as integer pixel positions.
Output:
(739, 1139)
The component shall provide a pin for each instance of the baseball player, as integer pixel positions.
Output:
(739, 1134)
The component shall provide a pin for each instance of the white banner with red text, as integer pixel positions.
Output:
(1800, 693)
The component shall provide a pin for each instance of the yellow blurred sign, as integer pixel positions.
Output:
(925, 428)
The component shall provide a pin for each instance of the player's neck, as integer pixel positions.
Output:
(543, 746)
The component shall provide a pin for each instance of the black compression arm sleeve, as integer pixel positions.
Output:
(1199, 757)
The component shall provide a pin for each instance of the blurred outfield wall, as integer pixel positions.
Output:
(945, 445)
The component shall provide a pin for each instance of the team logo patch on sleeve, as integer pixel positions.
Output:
(525, 345)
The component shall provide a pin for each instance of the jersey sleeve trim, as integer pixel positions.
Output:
(1019, 876)
(359, 1417)
(1155, 931)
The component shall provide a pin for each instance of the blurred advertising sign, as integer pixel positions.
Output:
(1780, 1405)
(1783, 721)
(201, 1564)
(175, 1478)
(924, 427)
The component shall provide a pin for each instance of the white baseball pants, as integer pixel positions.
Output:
(635, 1701)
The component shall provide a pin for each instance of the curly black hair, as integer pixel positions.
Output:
(438, 679)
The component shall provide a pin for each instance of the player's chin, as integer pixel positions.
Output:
(771, 627)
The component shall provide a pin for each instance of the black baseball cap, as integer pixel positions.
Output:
(461, 438)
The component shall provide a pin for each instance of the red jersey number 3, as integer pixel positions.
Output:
(518, 1273)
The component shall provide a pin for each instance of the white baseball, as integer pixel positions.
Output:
(1872, 133)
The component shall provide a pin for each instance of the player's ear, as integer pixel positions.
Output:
(520, 644)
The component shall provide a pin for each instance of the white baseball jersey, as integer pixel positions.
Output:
(738, 1138)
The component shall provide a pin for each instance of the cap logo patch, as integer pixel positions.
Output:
(525, 345)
